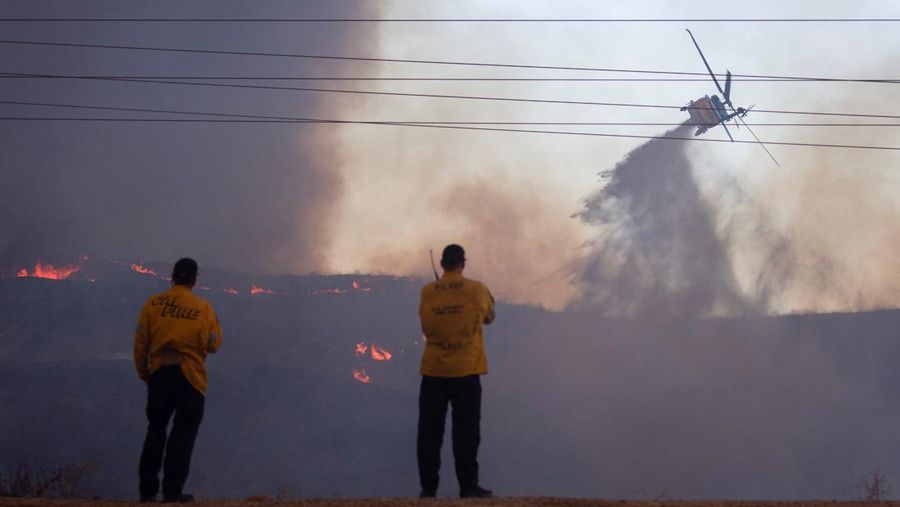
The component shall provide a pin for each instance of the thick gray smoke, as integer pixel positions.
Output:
(656, 250)
(575, 404)
(248, 197)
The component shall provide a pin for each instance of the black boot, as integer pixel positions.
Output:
(475, 492)
(182, 498)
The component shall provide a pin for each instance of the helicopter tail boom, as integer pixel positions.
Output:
(727, 92)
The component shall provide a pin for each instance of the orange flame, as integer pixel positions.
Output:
(361, 348)
(379, 354)
(361, 376)
(49, 272)
(254, 290)
(139, 268)
(357, 286)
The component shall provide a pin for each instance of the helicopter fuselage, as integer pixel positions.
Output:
(707, 112)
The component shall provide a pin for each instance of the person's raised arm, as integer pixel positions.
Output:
(215, 333)
(488, 306)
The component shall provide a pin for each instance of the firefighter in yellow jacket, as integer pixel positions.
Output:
(175, 332)
(452, 311)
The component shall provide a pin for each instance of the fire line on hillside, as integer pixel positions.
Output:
(65, 272)
(48, 271)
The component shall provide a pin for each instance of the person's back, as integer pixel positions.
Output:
(177, 327)
(452, 311)
(175, 331)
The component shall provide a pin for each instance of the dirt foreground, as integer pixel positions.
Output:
(415, 502)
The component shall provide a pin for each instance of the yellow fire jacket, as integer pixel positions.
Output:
(452, 311)
(176, 327)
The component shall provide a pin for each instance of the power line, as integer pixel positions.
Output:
(450, 20)
(442, 79)
(145, 110)
(452, 127)
(404, 60)
(476, 97)
(417, 122)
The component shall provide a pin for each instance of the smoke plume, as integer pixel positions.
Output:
(656, 249)
(247, 197)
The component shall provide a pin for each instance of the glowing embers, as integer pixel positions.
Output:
(48, 271)
(379, 354)
(355, 286)
(139, 268)
(327, 291)
(373, 351)
(255, 289)
(361, 376)
(358, 287)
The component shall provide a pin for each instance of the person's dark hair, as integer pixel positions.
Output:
(453, 256)
(185, 272)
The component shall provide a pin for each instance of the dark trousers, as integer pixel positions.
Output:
(464, 396)
(169, 392)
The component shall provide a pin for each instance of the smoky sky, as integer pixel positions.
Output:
(656, 248)
(251, 197)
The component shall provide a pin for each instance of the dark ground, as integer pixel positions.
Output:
(576, 405)
(500, 502)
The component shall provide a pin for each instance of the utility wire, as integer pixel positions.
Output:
(478, 97)
(390, 122)
(442, 79)
(451, 20)
(401, 60)
(452, 127)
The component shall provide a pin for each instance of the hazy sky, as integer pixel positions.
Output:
(509, 197)
(816, 234)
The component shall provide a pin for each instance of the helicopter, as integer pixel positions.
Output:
(707, 112)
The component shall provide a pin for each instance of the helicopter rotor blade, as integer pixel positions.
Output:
(727, 91)
(711, 74)
(758, 141)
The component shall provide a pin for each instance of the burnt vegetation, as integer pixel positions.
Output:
(66, 481)
(873, 487)
(710, 407)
